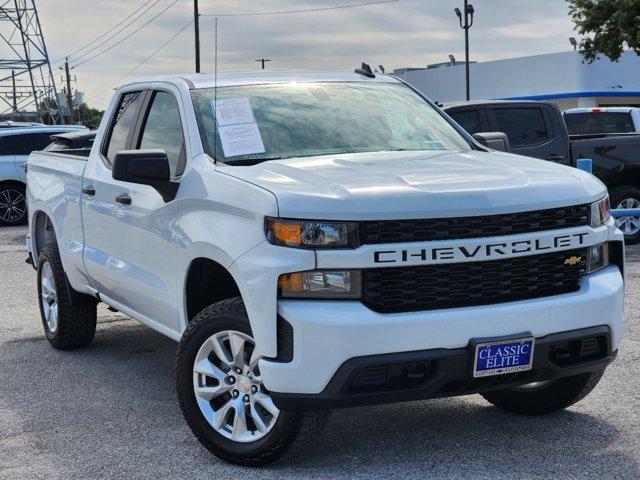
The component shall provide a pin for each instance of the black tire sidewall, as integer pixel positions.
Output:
(260, 452)
(617, 194)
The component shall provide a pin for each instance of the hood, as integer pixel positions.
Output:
(401, 185)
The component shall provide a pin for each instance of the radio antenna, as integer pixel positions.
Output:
(215, 86)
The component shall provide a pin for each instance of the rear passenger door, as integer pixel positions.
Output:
(531, 130)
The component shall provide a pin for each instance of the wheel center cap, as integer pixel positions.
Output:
(244, 384)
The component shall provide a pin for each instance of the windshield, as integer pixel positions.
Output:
(598, 122)
(261, 122)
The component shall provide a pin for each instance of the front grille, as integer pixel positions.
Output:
(396, 231)
(407, 289)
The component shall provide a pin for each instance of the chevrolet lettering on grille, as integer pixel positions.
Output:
(472, 251)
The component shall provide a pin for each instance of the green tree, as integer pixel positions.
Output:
(90, 117)
(610, 26)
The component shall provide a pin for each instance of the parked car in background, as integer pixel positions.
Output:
(15, 146)
(537, 129)
(610, 120)
(12, 124)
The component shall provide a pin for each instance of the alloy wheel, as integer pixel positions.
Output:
(12, 205)
(49, 298)
(229, 390)
(629, 225)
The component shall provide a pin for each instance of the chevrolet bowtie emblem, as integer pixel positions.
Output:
(572, 261)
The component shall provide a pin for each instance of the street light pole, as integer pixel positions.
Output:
(466, 24)
(196, 24)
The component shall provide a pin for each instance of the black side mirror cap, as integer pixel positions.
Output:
(145, 167)
(494, 140)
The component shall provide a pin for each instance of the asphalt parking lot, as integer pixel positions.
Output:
(110, 411)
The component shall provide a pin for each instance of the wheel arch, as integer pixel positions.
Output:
(43, 233)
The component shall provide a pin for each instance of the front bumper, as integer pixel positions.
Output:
(435, 373)
(326, 334)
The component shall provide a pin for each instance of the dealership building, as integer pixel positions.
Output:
(562, 77)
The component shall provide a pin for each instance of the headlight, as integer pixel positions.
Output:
(311, 233)
(600, 212)
(328, 284)
(597, 257)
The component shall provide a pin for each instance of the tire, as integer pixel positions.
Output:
(67, 325)
(285, 433)
(548, 398)
(627, 196)
(13, 204)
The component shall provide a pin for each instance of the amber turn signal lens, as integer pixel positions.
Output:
(287, 233)
(290, 282)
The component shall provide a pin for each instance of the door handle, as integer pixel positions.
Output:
(124, 199)
(89, 190)
(555, 157)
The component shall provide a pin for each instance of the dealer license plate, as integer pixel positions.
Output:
(504, 356)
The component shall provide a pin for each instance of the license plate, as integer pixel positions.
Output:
(504, 356)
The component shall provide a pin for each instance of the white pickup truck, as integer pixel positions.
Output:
(325, 240)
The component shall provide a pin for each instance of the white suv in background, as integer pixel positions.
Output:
(15, 146)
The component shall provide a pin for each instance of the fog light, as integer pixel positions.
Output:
(331, 284)
(597, 257)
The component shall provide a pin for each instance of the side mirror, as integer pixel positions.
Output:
(494, 140)
(145, 167)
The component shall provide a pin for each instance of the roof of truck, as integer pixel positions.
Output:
(252, 77)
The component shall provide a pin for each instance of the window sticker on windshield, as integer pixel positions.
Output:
(241, 140)
(233, 111)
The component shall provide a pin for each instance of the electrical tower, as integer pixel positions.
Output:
(27, 87)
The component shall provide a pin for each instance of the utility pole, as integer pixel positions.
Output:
(69, 96)
(466, 25)
(15, 100)
(263, 61)
(196, 24)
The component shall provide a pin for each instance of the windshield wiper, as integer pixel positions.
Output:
(251, 161)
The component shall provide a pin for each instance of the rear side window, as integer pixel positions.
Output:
(24, 144)
(123, 124)
(469, 120)
(599, 122)
(163, 131)
(524, 126)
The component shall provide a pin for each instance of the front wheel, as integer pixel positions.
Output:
(542, 398)
(223, 398)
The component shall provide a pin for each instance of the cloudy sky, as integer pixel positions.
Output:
(399, 34)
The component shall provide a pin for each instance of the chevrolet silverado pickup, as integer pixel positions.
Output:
(537, 129)
(318, 240)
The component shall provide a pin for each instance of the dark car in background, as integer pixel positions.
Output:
(537, 129)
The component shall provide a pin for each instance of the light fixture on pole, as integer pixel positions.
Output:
(573, 42)
(263, 61)
(466, 23)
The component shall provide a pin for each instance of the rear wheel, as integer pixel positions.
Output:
(223, 398)
(627, 197)
(67, 325)
(541, 398)
(13, 204)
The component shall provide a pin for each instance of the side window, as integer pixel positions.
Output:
(524, 126)
(24, 144)
(469, 120)
(123, 123)
(163, 130)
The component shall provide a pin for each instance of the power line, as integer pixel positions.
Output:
(306, 10)
(111, 37)
(144, 25)
(155, 52)
(110, 30)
